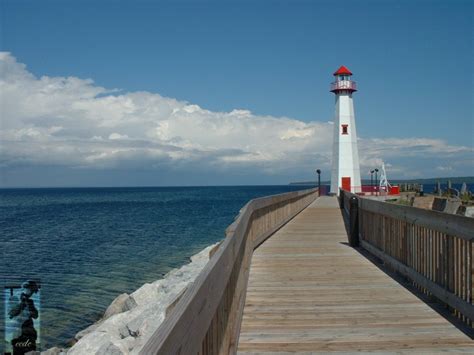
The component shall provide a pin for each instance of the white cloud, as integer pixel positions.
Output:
(71, 122)
(415, 157)
(46, 119)
(117, 136)
(444, 168)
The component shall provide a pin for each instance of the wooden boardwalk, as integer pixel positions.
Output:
(309, 292)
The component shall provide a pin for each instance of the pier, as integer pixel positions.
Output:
(309, 291)
(287, 278)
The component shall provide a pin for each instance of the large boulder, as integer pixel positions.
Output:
(439, 204)
(53, 351)
(446, 205)
(467, 211)
(120, 304)
(99, 342)
(452, 206)
(86, 331)
(425, 202)
(109, 349)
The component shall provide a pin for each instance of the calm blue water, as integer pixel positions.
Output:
(89, 245)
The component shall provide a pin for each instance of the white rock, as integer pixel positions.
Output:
(110, 349)
(52, 351)
(120, 304)
(89, 329)
(145, 294)
(132, 319)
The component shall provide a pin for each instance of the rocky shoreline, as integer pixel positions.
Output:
(130, 320)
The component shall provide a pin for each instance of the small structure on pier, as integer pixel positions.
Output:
(345, 171)
(385, 186)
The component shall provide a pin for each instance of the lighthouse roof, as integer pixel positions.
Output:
(342, 71)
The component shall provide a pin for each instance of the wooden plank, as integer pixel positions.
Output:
(447, 297)
(310, 292)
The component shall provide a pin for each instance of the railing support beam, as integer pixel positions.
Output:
(354, 222)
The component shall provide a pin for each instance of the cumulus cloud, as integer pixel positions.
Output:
(74, 123)
(416, 157)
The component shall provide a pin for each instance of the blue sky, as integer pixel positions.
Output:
(412, 61)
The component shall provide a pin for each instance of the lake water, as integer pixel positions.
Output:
(87, 245)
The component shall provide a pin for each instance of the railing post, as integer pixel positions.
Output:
(354, 222)
(341, 199)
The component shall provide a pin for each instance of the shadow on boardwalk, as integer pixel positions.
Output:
(432, 302)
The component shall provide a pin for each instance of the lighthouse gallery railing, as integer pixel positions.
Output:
(344, 85)
(206, 320)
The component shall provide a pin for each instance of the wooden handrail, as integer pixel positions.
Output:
(432, 249)
(455, 225)
(206, 320)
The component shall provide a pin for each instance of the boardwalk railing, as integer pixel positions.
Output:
(207, 318)
(432, 249)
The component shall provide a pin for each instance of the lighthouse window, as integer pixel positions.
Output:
(344, 129)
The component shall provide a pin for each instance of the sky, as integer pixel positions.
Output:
(150, 93)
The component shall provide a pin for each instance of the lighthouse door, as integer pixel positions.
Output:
(346, 183)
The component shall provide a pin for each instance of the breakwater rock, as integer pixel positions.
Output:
(130, 320)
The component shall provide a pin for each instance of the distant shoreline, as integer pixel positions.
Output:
(133, 187)
(454, 180)
(442, 180)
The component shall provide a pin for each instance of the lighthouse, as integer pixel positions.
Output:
(345, 172)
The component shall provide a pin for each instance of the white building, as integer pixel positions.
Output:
(345, 172)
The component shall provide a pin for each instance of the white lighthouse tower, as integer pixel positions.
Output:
(345, 171)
